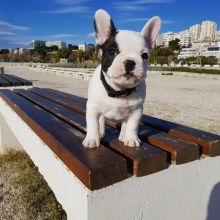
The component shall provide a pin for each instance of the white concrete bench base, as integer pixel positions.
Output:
(181, 192)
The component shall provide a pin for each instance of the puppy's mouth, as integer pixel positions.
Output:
(128, 75)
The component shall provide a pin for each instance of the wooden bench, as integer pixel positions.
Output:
(12, 81)
(93, 183)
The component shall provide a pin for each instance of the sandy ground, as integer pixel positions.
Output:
(189, 100)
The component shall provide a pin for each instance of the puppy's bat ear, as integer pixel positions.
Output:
(104, 26)
(151, 31)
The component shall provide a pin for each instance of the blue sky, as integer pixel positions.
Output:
(72, 20)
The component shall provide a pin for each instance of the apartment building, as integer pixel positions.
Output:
(59, 44)
(208, 30)
(36, 43)
(195, 31)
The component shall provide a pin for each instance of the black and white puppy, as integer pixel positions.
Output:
(117, 89)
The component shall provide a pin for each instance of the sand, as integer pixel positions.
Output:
(190, 100)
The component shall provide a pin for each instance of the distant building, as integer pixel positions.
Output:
(208, 30)
(18, 50)
(23, 50)
(195, 52)
(185, 38)
(167, 37)
(62, 60)
(14, 50)
(36, 43)
(195, 31)
(212, 51)
(59, 44)
(204, 43)
(86, 47)
(218, 35)
(189, 52)
(205, 33)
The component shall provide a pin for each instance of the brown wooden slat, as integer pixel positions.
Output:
(67, 95)
(23, 81)
(180, 151)
(12, 80)
(209, 142)
(71, 117)
(96, 168)
(141, 161)
(72, 104)
(177, 156)
(3, 82)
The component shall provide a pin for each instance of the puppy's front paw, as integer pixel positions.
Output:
(121, 137)
(90, 142)
(132, 141)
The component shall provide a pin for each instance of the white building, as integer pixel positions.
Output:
(86, 47)
(167, 37)
(218, 35)
(208, 30)
(188, 52)
(185, 38)
(195, 31)
(23, 50)
(59, 44)
(212, 51)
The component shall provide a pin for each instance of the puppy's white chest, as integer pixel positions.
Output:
(117, 110)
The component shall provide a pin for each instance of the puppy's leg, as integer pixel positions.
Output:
(92, 136)
(101, 126)
(131, 134)
(122, 132)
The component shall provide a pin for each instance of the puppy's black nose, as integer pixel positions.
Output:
(129, 65)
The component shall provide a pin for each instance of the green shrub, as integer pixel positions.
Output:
(185, 69)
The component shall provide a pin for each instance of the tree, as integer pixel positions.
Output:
(53, 48)
(73, 47)
(175, 44)
(4, 51)
(63, 53)
(211, 60)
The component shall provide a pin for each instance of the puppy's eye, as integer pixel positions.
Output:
(145, 56)
(112, 52)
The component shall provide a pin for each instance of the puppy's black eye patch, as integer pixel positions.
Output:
(144, 56)
(112, 52)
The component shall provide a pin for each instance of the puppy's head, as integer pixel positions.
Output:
(125, 53)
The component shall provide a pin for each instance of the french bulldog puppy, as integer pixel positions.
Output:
(117, 89)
